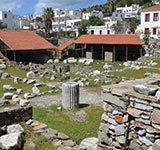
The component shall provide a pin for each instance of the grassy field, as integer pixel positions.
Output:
(63, 122)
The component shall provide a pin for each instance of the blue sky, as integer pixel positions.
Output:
(35, 7)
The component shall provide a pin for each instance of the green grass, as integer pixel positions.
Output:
(61, 121)
(135, 73)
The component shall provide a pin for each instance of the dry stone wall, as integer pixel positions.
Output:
(130, 120)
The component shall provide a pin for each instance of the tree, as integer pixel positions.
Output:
(48, 16)
(94, 21)
(2, 26)
(82, 29)
(133, 22)
(118, 27)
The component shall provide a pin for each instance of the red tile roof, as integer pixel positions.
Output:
(64, 45)
(24, 40)
(155, 7)
(114, 39)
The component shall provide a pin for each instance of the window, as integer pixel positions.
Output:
(154, 31)
(5, 15)
(147, 17)
(108, 31)
(146, 30)
(155, 17)
(100, 31)
(92, 31)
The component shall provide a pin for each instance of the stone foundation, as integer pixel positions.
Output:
(10, 115)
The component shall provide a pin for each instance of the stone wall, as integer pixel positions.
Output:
(10, 115)
(130, 120)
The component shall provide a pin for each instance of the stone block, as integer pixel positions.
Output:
(156, 116)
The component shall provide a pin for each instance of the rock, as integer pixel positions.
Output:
(119, 130)
(89, 144)
(141, 132)
(62, 136)
(146, 90)
(3, 66)
(7, 96)
(5, 75)
(104, 128)
(156, 116)
(119, 119)
(152, 130)
(24, 102)
(29, 122)
(50, 134)
(158, 94)
(19, 91)
(89, 62)
(15, 128)
(156, 145)
(120, 139)
(134, 145)
(30, 74)
(145, 141)
(50, 61)
(82, 60)
(17, 80)
(112, 121)
(134, 112)
(69, 143)
(36, 91)
(8, 88)
(103, 138)
(12, 141)
(143, 107)
(96, 73)
(108, 67)
(107, 107)
(62, 147)
(52, 77)
(105, 117)
(56, 61)
(147, 122)
(31, 81)
(16, 98)
(65, 61)
(72, 61)
(27, 95)
(156, 126)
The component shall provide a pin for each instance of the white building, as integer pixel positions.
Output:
(150, 21)
(61, 18)
(11, 21)
(126, 12)
(85, 16)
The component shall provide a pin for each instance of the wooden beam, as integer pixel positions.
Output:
(92, 50)
(82, 51)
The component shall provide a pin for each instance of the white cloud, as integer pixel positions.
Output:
(10, 4)
(61, 4)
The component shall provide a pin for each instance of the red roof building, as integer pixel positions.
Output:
(22, 45)
(152, 8)
(117, 47)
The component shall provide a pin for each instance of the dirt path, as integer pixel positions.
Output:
(87, 96)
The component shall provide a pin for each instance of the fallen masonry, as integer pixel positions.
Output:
(131, 117)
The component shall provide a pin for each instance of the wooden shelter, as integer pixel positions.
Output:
(25, 46)
(117, 47)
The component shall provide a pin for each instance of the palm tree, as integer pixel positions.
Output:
(48, 16)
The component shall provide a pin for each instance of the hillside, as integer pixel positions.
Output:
(110, 5)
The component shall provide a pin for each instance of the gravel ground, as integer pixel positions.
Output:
(87, 96)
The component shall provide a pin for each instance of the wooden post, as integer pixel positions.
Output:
(141, 52)
(5, 53)
(102, 52)
(14, 56)
(126, 52)
(114, 53)
(92, 50)
(82, 51)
